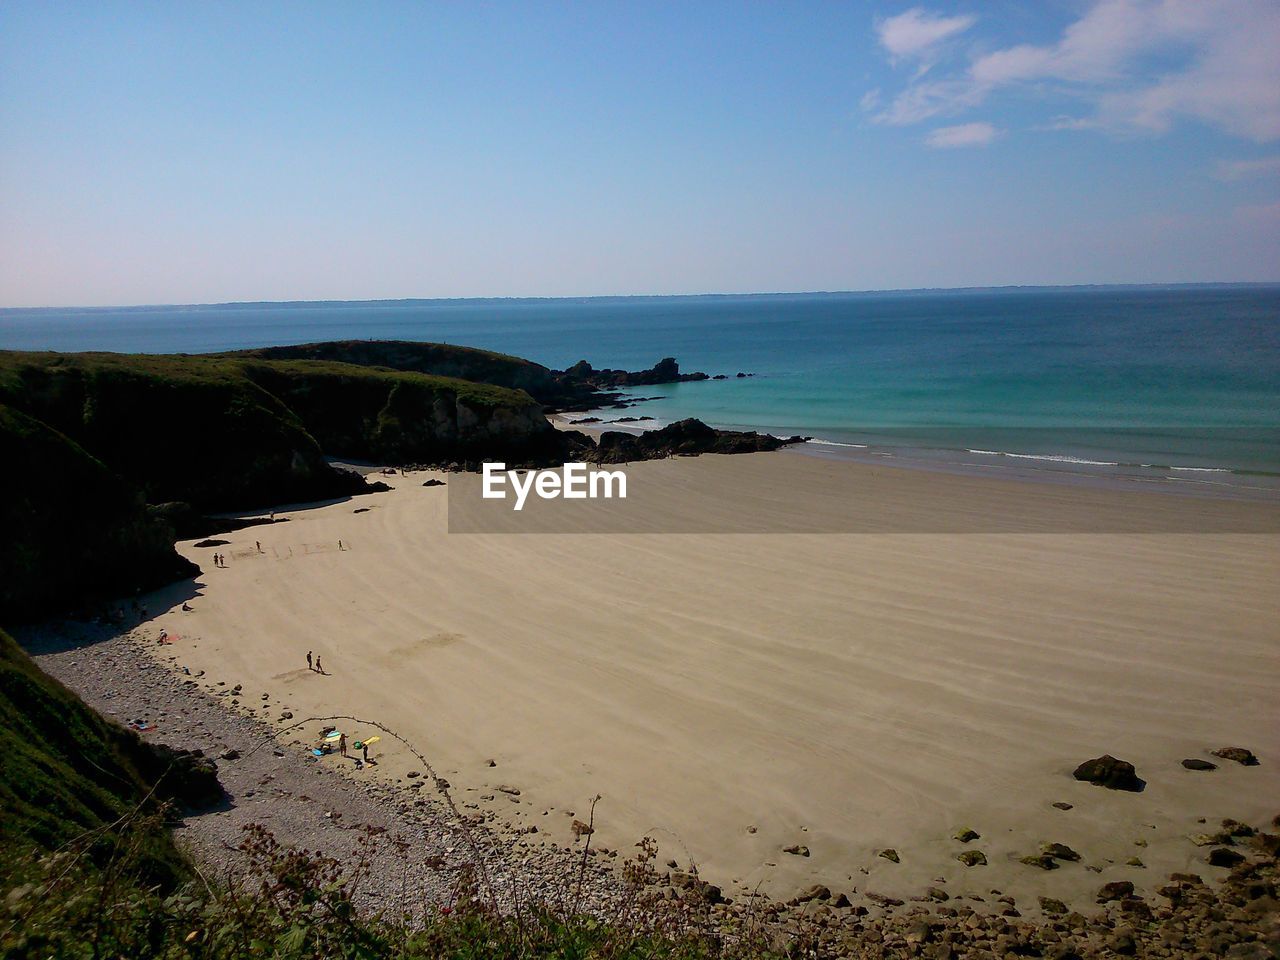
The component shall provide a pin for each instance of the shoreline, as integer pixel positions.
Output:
(1192, 481)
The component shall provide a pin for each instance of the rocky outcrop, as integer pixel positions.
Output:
(683, 438)
(186, 777)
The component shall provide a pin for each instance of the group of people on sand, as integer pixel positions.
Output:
(219, 560)
(314, 665)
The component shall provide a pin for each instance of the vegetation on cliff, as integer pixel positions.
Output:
(73, 530)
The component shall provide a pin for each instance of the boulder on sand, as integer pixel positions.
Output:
(1195, 763)
(1107, 771)
(1238, 754)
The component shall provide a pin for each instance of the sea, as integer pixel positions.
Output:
(1171, 385)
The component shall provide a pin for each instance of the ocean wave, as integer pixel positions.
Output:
(1051, 457)
(1202, 469)
(837, 443)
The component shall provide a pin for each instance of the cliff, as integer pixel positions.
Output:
(436, 359)
(65, 771)
(178, 428)
(73, 531)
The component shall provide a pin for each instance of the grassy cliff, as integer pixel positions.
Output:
(179, 428)
(67, 775)
(438, 359)
(73, 530)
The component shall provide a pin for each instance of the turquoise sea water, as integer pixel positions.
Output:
(1185, 377)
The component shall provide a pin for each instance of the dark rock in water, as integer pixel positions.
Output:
(1194, 763)
(1224, 857)
(1107, 771)
(588, 420)
(433, 482)
(1116, 890)
(212, 543)
(1238, 754)
(185, 776)
(719, 376)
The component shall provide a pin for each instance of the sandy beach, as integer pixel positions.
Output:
(733, 695)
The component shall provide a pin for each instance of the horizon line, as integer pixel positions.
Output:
(664, 296)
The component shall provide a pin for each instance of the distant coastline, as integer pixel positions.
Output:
(616, 297)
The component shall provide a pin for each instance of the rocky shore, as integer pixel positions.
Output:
(417, 845)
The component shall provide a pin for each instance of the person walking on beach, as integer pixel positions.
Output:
(364, 751)
(342, 744)
(309, 666)
(319, 669)
(258, 544)
(340, 546)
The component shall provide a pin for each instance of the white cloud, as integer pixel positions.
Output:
(1245, 169)
(916, 33)
(1140, 65)
(870, 100)
(962, 135)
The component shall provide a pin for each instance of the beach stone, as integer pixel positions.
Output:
(508, 789)
(1059, 851)
(972, 858)
(1238, 754)
(815, 892)
(796, 850)
(1116, 890)
(890, 854)
(1107, 771)
(1063, 805)
(229, 755)
(1193, 763)
(965, 834)
(1122, 942)
(1054, 908)
(1222, 857)
(1235, 828)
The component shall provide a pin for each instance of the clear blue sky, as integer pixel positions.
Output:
(184, 152)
